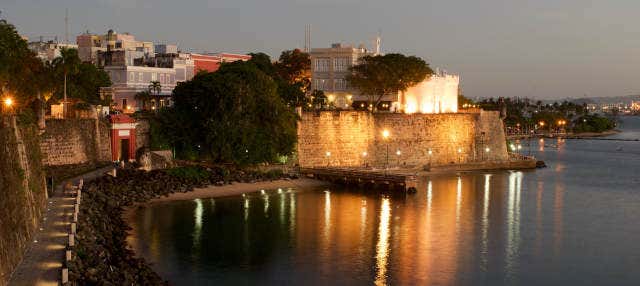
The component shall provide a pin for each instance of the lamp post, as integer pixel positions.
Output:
(364, 158)
(328, 154)
(430, 152)
(8, 104)
(398, 153)
(385, 136)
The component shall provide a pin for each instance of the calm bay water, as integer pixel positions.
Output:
(573, 223)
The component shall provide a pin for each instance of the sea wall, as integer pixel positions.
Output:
(22, 191)
(354, 138)
(75, 141)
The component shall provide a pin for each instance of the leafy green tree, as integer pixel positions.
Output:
(377, 76)
(155, 88)
(21, 72)
(233, 115)
(69, 77)
(288, 75)
(318, 99)
(294, 66)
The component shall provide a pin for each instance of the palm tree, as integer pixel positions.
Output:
(155, 88)
(68, 63)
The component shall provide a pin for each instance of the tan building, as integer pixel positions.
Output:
(329, 69)
(91, 45)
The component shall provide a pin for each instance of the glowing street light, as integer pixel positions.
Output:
(385, 134)
(8, 102)
(328, 155)
(487, 150)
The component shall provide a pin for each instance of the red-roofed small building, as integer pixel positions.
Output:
(123, 138)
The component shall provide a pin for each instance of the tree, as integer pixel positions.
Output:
(377, 76)
(21, 72)
(155, 88)
(68, 64)
(318, 99)
(294, 66)
(67, 75)
(233, 115)
(288, 76)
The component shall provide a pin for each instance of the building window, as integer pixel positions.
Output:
(154, 76)
(124, 103)
(132, 77)
(322, 64)
(341, 84)
(341, 64)
(140, 77)
(161, 78)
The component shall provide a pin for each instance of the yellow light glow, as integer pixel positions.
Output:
(328, 154)
(398, 153)
(386, 134)
(331, 97)
(8, 101)
(364, 154)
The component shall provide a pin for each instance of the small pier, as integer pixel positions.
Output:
(361, 177)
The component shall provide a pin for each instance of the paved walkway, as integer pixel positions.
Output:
(42, 263)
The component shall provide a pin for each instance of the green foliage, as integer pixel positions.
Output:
(291, 74)
(233, 116)
(294, 67)
(158, 136)
(192, 173)
(379, 75)
(464, 101)
(21, 72)
(83, 79)
(26, 117)
(593, 123)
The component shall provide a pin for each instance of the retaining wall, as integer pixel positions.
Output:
(354, 138)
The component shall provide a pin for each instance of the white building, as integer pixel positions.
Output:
(49, 50)
(329, 69)
(437, 94)
(129, 80)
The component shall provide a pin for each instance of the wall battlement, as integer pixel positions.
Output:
(354, 138)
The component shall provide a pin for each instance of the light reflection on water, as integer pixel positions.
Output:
(571, 223)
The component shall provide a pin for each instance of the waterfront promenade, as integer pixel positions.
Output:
(42, 262)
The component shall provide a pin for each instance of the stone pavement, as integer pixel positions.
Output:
(42, 262)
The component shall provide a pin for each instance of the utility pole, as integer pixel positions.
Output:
(66, 26)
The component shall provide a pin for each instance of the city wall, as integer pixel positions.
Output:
(354, 138)
(23, 192)
(75, 141)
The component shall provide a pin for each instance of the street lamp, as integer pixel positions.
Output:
(385, 136)
(364, 158)
(328, 154)
(8, 102)
(398, 153)
(430, 152)
(459, 155)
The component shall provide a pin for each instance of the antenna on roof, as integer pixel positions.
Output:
(66, 25)
(307, 38)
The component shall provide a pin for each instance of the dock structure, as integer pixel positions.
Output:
(380, 179)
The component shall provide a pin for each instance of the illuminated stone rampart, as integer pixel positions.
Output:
(355, 138)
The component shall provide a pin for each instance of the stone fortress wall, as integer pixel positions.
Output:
(75, 141)
(354, 138)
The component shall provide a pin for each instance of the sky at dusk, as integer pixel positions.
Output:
(539, 49)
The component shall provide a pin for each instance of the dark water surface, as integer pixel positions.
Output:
(576, 222)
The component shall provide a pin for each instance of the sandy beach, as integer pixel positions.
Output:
(240, 188)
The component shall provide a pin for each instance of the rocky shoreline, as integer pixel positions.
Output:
(103, 256)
